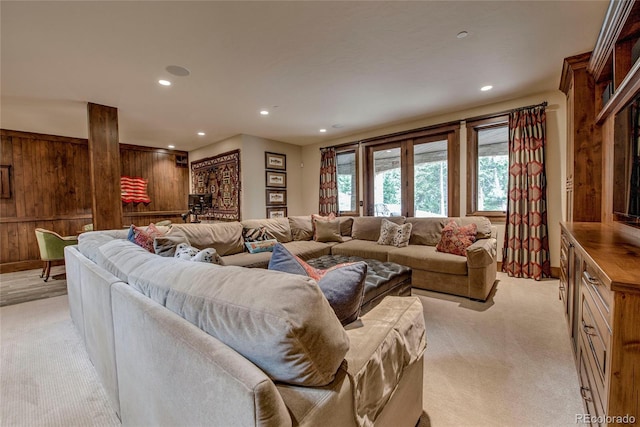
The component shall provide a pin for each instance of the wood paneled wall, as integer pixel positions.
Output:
(50, 189)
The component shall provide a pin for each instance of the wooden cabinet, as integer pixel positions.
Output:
(605, 318)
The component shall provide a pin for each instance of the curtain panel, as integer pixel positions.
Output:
(526, 241)
(328, 182)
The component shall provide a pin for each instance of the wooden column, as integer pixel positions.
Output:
(104, 162)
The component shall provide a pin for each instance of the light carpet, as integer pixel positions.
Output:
(506, 362)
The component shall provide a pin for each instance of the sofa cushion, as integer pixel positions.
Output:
(281, 322)
(420, 257)
(426, 231)
(301, 228)
(166, 245)
(362, 249)
(309, 249)
(277, 227)
(246, 259)
(455, 239)
(394, 234)
(368, 227)
(342, 284)
(482, 223)
(224, 237)
(120, 256)
(89, 243)
(346, 224)
(327, 231)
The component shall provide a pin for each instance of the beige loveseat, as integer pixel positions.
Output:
(472, 276)
(176, 342)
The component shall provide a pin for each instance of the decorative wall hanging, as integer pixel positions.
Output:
(134, 190)
(220, 177)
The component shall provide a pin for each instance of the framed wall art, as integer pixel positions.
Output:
(276, 179)
(274, 212)
(276, 197)
(275, 161)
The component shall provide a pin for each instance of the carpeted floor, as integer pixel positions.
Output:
(506, 362)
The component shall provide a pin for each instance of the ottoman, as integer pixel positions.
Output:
(383, 278)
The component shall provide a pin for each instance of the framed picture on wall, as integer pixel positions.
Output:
(276, 179)
(276, 197)
(275, 161)
(276, 212)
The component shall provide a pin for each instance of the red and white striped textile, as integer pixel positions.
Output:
(134, 190)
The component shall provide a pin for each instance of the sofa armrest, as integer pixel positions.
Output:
(482, 253)
(383, 344)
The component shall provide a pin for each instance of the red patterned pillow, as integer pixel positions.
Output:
(455, 239)
(144, 238)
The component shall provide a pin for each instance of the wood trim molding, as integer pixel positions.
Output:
(614, 21)
(42, 137)
(11, 220)
(154, 213)
(32, 264)
(439, 129)
(569, 65)
(153, 149)
(623, 95)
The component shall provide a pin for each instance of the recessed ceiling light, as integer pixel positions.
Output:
(201, 133)
(164, 82)
(323, 130)
(171, 146)
(486, 88)
(462, 34)
(264, 112)
(177, 70)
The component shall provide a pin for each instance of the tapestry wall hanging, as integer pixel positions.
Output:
(220, 177)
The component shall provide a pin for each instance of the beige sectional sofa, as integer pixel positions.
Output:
(176, 342)
(471, 277)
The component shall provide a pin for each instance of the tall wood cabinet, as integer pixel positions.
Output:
(600, 252)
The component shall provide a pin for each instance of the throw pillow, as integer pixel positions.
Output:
(189, 253)
(258, 234)
(316, 217)
(261, 246)
(342, 285)
(394, 234)
(327, 231)
(144, 238)
(455, 239)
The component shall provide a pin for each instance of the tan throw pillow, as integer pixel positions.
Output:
(328, 231)
(394, 235)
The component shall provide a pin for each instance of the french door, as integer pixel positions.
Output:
(413, 175)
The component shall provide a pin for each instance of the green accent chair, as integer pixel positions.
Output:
(52, 246)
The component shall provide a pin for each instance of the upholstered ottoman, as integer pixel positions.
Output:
(383, 278)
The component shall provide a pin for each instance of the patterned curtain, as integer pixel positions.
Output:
(526, 240)
(328, 182)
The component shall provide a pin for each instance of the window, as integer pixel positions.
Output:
(411, 174)
(347, 171)
(488, 166)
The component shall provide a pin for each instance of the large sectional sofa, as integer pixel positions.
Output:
(188, 343)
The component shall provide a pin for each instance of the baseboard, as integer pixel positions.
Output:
(555, 271)
(12, 267)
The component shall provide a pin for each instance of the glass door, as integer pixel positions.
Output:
(430, 179)
(385, 193)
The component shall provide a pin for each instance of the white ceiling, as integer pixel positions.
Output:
(359, 64)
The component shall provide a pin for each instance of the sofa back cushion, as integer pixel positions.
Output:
(346, 225)
(281, 322)
(120, 256)
(484, 225)
(224, 237)
(368, 227)
(301, 228)
(426, 231)
(277, 227)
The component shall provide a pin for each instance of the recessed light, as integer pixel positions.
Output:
(486, 88)
(171, 146)
(177, 70)
(201, 133)
(337, 126)
(323, 130)
(164, 82)
(462, 34)
(264, 112)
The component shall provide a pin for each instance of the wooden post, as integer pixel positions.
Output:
(104, 166)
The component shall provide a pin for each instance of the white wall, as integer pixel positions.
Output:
(555, 158)
(252, 171)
